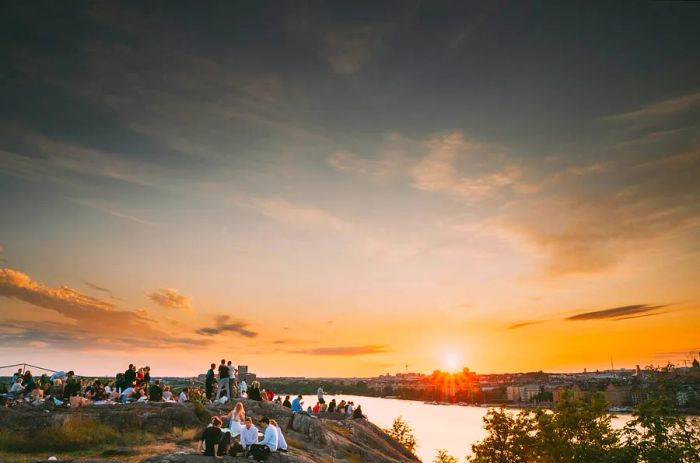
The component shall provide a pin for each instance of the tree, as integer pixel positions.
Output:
(444, 457)
(402, 432)
(658, 434)
(579, 431)
(511, 438)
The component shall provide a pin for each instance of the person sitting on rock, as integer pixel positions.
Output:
(184, 397)
(261, 451)
(254, 393)
(331, 406)
(127, 394)
(357, 414)
(281, 441)
(167, 394)
(243, 388)
(211, 438)
(297, 404)
(155, 392)
(17, 388)
(286, 402)
(249, 436)
(341, 407)
(317, 407)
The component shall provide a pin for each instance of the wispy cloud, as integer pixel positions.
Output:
(516, 326)
(448, 163)
(663, 108)
(348, 48)
(171, 299)
(620, 313)
(294, 214)
(345, 350)
(101, 289)
(225, 324)
(113, 209)
(438, 171)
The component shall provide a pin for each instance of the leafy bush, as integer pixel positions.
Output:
(444, 457)
(402, 432)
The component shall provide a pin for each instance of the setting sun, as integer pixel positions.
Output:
(451, 361)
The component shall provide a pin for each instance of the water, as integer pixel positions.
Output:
(450, 427)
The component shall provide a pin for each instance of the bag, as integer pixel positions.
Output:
(260, 452)
(235, 449)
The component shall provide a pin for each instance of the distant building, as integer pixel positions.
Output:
(575, 391)
(529, 392)
(513, 393)
(618, 396)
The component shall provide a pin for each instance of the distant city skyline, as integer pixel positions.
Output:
(339, 189)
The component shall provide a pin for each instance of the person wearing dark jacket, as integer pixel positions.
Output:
(155, 392)
(129, 376)
(209, 381)
(286, 402)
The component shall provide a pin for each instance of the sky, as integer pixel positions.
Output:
(349, 188)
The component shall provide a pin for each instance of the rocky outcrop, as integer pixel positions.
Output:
(329, 438)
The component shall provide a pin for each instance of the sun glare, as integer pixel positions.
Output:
(450, 361)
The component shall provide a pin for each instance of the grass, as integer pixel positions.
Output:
(74, 435)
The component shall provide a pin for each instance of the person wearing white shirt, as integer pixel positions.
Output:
(281, 441)
(126, 394)
(262, 450)
(319, 394)
(17, 388)
(243, 387)
(249, 434)
(183, 396)
(348, 409)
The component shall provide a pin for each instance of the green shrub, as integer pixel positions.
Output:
(75, 434)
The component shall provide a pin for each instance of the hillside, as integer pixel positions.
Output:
(328, 438)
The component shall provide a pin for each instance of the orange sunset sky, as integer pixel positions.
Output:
(346, 191)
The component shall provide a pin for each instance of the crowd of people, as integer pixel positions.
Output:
(222, 384)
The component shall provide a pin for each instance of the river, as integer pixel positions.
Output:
(451, 427)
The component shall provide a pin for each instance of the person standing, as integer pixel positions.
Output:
(209, 381)
(232, 379)
(129, 376)
(223, 380)
(319, 394)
